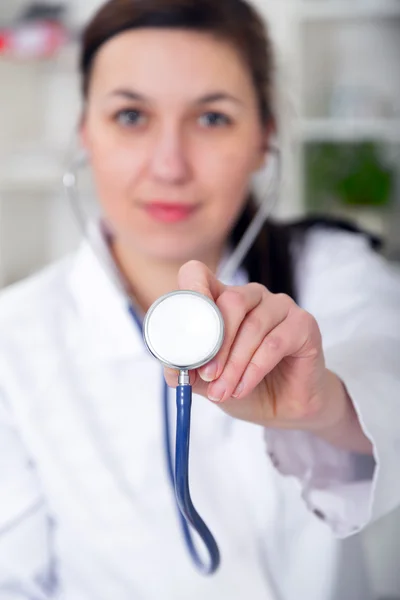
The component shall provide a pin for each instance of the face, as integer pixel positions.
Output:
(173, 133)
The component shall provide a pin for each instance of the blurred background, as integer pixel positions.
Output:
(339, 106)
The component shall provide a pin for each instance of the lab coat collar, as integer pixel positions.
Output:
(101, 301)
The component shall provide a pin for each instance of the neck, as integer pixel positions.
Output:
(148, 278)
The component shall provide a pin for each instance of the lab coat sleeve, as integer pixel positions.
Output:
(25, 529)
(355, 296)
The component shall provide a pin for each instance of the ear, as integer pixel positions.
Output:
(261, 160)
(266, 134)
(83, 133)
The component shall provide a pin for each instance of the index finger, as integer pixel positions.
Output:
(197, 277)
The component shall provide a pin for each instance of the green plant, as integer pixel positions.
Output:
(351, 173)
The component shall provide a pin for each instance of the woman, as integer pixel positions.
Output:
(177, 118)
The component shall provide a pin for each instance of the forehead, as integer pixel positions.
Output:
(162, 60)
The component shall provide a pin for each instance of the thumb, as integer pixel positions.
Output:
(197, 277)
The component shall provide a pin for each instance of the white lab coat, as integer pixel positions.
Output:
(86, 508)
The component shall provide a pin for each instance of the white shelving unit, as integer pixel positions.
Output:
(340, 51)
(36, 169)
(314, 10)
(39, 109)
(347, 130)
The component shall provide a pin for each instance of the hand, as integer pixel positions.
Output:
(270, 369)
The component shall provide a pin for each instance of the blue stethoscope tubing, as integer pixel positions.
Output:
(179, 477)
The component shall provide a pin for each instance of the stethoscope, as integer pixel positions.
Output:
(184, 330)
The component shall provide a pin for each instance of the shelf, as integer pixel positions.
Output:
(66, 59)
(315, 10)
(313, 130)
(32, 171)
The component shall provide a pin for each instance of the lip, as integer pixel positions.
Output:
(169, 212)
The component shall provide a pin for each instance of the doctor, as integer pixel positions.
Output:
(295, 432)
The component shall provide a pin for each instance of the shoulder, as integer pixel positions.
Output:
(35, 304)
(338, 272)
(35, 292)
(322, 247)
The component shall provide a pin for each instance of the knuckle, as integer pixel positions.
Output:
(234, 367)
(253, 324)
(273, 342)
(266, 295)
(315, 332)
(233, 299)
(309, 329)
(258, 287)
(256, 371)
(304, 320)
(284, 300)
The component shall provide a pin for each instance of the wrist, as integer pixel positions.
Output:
(340, 424)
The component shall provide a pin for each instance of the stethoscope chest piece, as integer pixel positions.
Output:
(184, 330)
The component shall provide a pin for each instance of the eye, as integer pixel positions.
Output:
(130, 117)
(214, 119)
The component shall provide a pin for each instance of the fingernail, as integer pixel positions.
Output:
(217, 391)
(209, 372)
(238, 390)
(170, 372)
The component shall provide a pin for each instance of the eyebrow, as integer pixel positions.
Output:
(207, 99)
(128, 95)
(217, 97)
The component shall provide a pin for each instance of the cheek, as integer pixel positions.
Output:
(115, 168)
(229, 176)
(109, 179)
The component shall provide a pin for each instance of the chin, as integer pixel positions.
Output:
(175, 250)
(172, 254)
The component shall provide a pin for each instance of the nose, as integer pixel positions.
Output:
(169, 161)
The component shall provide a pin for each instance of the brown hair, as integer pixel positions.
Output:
(234, 21)
(238, 23)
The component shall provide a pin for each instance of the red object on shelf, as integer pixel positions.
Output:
(3, 42)
(36, 39)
